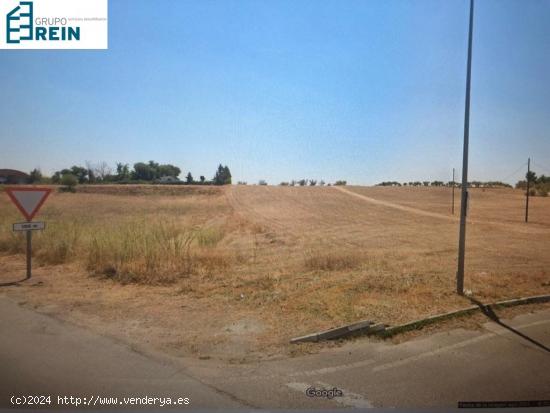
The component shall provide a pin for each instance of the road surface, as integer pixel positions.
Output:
(40, 355)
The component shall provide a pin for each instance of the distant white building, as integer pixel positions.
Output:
(168, 180)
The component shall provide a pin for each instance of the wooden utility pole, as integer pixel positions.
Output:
(528, 176)
(464, 192)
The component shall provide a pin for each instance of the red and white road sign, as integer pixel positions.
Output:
(28, 200)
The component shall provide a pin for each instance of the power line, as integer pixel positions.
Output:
(541, 167)
(515, 172)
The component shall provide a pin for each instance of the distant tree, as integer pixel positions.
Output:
(340, 183)
(189, 179)
(292, 183)
(262, 182)
(218, 176)
(122, 172)
(153, 170)
(227, 175)
(222, 176)
(389, 183)
(322, 183)
(102, 170)
(312, 182)
(79, 172)
(167, 170)
(143, 172)
(203, 179)
(35, 176)
(56, 177)
(302, 182)
(69, 181)
(283, 184)
(537, 185)
(242, 183)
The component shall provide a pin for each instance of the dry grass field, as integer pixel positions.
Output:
(235, 272)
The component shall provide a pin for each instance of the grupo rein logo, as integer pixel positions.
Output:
(55, 24)
(20, 26)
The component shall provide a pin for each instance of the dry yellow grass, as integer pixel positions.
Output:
(284, 260)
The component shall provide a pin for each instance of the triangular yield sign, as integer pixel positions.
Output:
(28, 200)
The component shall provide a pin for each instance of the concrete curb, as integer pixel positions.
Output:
(361, 327)
(413, 325)
(368, 327)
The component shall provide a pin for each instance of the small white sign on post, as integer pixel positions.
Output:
(29, 226)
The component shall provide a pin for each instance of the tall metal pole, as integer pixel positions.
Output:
(464, 192)
(29, 253)
(528, 177)
(453, 184)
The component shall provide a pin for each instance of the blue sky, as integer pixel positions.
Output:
(358, 90)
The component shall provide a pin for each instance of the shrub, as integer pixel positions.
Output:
(69, 182)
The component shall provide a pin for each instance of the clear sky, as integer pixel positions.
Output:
(365, 90)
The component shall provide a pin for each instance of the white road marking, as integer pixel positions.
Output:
(464, 343)
(327, 370)
(349, 399)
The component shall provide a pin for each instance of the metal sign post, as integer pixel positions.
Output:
(29, 227)
(528, 177)
(453, 207)
(464, 189)
(29, 253)
(28, 201)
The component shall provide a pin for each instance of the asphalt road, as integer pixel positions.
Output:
(40, 355)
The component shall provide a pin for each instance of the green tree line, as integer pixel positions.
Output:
(140, 172)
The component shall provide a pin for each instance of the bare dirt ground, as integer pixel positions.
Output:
(265, 264)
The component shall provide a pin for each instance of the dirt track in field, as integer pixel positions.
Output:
(396, 206)
(313, 215)
(538, 227)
